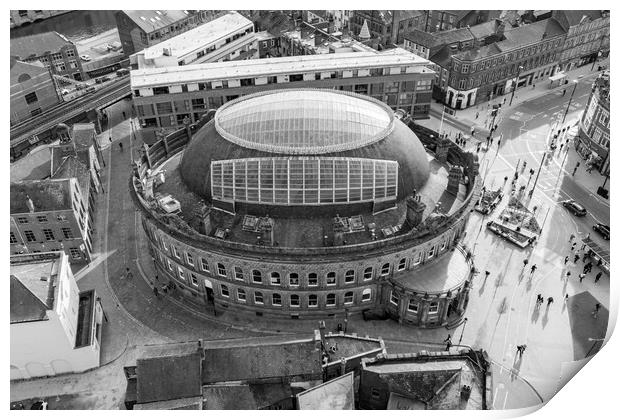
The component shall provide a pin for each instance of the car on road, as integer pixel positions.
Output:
(122, 72)
(602, 229)
(91, 89)
(85, 57)
(575, 208)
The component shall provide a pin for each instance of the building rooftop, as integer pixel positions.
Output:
(478, 53)
(198, 38)
(529, 34)
(34, 166)
(47, 195)
(346, 346)
(82, 135)
(22, 72)
(33, 285)
(238, 396)
(38, 44)
(153, 20)
(144, 78)
(452, 36)
(337, 394)
(435, 380)
(168, 372)
(249, 359)
(575, 17)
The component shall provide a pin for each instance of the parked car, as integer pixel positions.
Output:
(91, 89)
(602, 229)
(85, 57)
(65, 91)
(122, 72)
(575, 208)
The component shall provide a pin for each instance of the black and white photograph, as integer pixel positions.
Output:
(308, 209)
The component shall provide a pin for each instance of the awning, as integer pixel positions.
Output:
(558, 76)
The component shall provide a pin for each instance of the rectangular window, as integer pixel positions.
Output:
(42, 219)
(13, 238)
(258, 298)
(175, 251)
(224, 290)
(241, 295)
(402, 264)
(330, 279)
(204, 265)
(181, 273)
(313, 301)
(31, 98)
(313, 279)
(75, 253)
(433, 308)
(30, 236)
(49, 234)
(413, 307)
(169, 264)
(194, 279)
(221, 270)
(294, 300)
(189, 258)
(22, 220)
(394, 298)
(330, 300)
(276, 300)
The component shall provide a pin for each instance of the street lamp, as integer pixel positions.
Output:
(462, 331)
(575, 82)
(514, 86)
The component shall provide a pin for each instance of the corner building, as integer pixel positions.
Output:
(306, 203)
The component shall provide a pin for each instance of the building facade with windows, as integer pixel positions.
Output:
(33, 90)
(139, 29)
(481, 73)
(587, 36)
(52, 50)
(229, 37)
(50, 215)
(592, 140)
(306, 204)
(55, 327)
(387, 26)
(165, 98)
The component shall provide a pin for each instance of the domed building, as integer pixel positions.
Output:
(309, 204)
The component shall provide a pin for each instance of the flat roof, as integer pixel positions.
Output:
(199, 37)
(144, 78)
(153, 20)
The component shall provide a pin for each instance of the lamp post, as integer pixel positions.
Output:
(570, 100)
(462, 331)
(514, 87)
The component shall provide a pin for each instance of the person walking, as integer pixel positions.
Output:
(533, 269)
(598, 277)
(597, 307)
(566, 298)
(521, 349)
(448, 342)
(581, 277)
(120, 145)
(525, 261)
(576, 258)
(128, 273)
(124, 115)
(549, 301)
(487, 274)
(565, 260)
(539, 300)
(572, 236)
(567, 275)
(477, 114)
(572, 248)
(155, 291)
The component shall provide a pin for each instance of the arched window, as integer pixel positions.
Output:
(331, 299)
(276, 299)
(257, 277)
(313, 279)
(330, 278)
(313, 301)
(238, 273)
(348, 298)
(258, 298)
(349, 276)
(385, 270)
(221, 270)
(368, 273)
(275, 278)
(293, 279)
(294, 300)
(402, 264)
(241, 295)
(224, 290)
(366, 295)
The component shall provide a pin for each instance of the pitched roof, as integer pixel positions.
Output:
(574, 17)
(38, 44)
(34, 166)
(485, 29)
(168, 372)
(452, 36)
(530, 34)
(153, 20)
(25, 305)
(486, 51)
(263, 357)
(46, 195)
(234, 396)
(73, 167)
(337, 394)
(419, 37)
(82, 135)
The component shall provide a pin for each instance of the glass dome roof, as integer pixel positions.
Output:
(306, 121)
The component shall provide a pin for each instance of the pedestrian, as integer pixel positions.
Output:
(505, 180)
(533, 269)
(597, 307)
(566, 298)
(539, 299)
(581, 277)
(565, 260)
(572, 236)
(525, 261)
(583, 246)
(499, 142)
(448, 342)
(572, 248)
(120, 145)
(478, 149)
(533, 86)
(487, 274)
(477, 113)
(165, 288)
(600, 262)
(589, 266)
(128, 274)
(124, 115)
(576, 258)
(549, 301)
(504, 101)
(564, 92)
(598, 277)
(561, 145)
(155, 291)
(567, 275)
